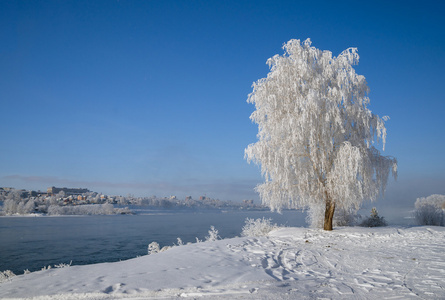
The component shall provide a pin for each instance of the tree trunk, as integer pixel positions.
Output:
(329, 214)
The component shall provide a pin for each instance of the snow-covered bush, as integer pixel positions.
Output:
(429, 214)
(374, 220)
(62, 265)
(180, 242)
(213, 235)
(153, 248)
(258, 227)
(430, 210)
(6, 275)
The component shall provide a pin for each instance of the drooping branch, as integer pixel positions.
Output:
(315, 132)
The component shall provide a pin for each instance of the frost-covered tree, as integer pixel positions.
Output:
(316, 134)
(435, 200)
(21, 207)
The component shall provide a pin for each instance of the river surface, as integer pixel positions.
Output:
(30, 243)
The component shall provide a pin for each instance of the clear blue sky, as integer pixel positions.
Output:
(149, 97)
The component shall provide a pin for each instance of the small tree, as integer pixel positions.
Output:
(374, 220)
(316, 134)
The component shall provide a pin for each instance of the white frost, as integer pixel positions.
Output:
(316, 133)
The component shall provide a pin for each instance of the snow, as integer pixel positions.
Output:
(289, 263)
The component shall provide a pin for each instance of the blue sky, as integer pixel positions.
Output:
(149, 97)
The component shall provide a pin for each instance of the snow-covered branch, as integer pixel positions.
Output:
(316, 135)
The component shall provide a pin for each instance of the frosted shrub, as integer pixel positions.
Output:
(258, 227)
(429, 214)
(153, 248)
(213, 235)
(6, 275)
(430, 210)
(62, 265)
(374, 220)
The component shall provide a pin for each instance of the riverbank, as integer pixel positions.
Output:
(290, 263)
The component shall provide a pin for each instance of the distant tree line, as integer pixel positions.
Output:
(27, 202)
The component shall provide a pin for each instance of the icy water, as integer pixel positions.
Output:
(34, 242)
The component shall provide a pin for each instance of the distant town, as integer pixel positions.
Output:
(63, 200)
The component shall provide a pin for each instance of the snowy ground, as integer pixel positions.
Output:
(291, 263)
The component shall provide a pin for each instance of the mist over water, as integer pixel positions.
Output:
(34, 242)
